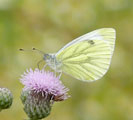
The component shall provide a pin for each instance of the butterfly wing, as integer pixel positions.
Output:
(88, 57)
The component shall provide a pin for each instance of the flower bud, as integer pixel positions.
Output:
(6, 98)
(36, 106)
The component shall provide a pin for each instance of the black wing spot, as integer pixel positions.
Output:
(91, 42)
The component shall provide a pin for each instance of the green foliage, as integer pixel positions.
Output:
(48, 25)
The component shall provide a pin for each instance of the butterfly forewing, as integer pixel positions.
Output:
(88, 57)
(106, 34)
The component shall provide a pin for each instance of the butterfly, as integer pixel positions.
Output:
(87, 57)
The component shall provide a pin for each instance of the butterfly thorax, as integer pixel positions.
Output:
(52, 62)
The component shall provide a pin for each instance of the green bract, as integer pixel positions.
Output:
(36, 107)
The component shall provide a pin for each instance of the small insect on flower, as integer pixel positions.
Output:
(41, 89)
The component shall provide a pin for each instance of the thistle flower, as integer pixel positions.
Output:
(41, 89)
(6, 98)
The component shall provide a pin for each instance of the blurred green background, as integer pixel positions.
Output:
(48, 25)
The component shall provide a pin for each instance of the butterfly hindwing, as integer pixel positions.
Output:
(88, 62)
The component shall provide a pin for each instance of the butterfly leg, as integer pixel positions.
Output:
(55, 69)
(39, 63)
(60, 74)
(44, 66)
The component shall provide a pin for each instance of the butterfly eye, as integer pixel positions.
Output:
(46, 56)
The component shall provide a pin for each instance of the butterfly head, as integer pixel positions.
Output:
(51, 60)
(47, 57)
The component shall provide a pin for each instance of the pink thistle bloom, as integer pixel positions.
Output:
(44, 83)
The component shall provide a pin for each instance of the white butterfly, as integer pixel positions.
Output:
(86, 58)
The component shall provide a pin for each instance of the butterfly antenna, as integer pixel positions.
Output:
(21, 49)
(38, 51)
(33, 49)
